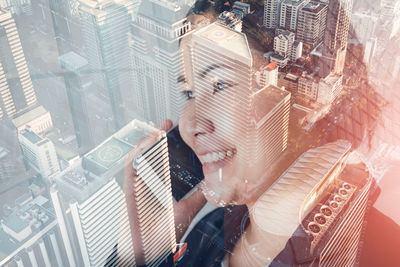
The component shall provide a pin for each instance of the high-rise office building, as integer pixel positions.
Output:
(289, 12)
(328, 196)
(154, 211)
(39, 152)
(105, 25)
(17, 7)
(271, 13)
(264, 114)
(311, 23)
(16, 90)
(158, 60)
(335, 37)
(98, 223)
(75, 67)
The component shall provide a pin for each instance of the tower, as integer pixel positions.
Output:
(271, 13)
(311, 23)
(16, 90)
(335, 37)
(105, 25)
(289, 12)
(158, 60)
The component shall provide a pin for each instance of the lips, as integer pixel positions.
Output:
(215, 160)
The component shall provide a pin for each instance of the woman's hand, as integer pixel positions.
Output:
(184, 210)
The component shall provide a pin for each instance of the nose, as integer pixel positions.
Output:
(192, 125)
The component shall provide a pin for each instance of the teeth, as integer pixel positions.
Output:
(216, 156)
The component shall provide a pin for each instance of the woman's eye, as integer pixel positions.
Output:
(189, 94)
(219, 86)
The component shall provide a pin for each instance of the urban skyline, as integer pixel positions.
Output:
(80, 80)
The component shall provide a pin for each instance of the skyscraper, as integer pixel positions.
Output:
(154, 211)
(271, 13)
(262, 122)
(16, 90)
(289, 12)
(75, 67)
(158, 60)
(105, 25)
(335, 38)
(97, 222)
(311, 23)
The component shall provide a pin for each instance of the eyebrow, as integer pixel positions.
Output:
(205, 72)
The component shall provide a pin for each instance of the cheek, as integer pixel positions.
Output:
(187, 124)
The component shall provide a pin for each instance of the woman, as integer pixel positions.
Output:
(233, 177)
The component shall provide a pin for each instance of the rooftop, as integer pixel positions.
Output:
(29, 116)
(72, 62)
(40, 219)
(296, 183)
(112, 151)
(108, 154)
(314, 7)
(266, 99)
(163, 11)
(226, 38)
(31, 136)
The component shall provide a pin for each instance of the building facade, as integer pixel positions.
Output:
(157, 59)
(289, 13)
(17, 94)
(311, 23)
(335, 37)
(105, 27)
(39, 152)
(271, 13)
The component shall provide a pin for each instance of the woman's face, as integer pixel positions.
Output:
(214, 123)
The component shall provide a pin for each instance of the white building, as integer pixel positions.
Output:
(39, 152)
(329, 88)
(105, 26)
(38, 120)
(91, 190)
(16, 90)
(287, 48)
(308, 87)
(267, 75)
(97, 213)
(271, 13)
(289, 13)
(157, 59)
